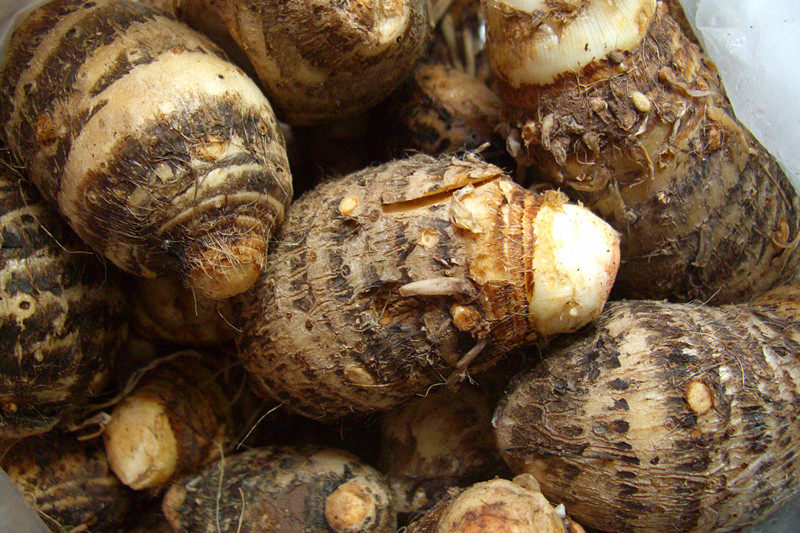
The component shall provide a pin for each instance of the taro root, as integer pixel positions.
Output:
(664, 417)
(434, 443)
(282, 489)
(440, 110)
(175, 421)
(164, 310)
(62, 320)
(459, 38)
(317, 60)
(161, 154)
(612, 103)
(498, 505)
(68, 482)
(395, 278)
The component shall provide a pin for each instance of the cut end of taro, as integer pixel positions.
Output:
(574, 266)
(222, 273)
(350, 508)
(533, 42)
(141, 448)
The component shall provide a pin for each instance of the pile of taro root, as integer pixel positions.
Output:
(388, 265)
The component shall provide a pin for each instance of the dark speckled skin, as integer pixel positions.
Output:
(606, 424)
(275, 489)
(61, 314)
(68, 482)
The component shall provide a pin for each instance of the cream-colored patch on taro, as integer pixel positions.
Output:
(647, 410)
(698, 397)
(560, 46)
(185, 77)
(574, 264)
(349, 506)
(349, 205)
(20, 307)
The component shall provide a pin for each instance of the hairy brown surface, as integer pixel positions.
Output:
(647, 139)
(437, 442)
(282, 489)
(61, 314)
(161, 154)
(328, 329)
(318, 60)
(676, 11)
(664, 417)
(68, 482)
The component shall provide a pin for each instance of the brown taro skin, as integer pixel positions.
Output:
(437, 442)
(161, 154)
(284, 489)
(317, 60)
(664, 417)
(441, 110)
(62, 314)
(647, 139)
(339, 323)
(68, 482)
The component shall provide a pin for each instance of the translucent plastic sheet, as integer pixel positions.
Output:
(16, 516)
(11, 12)
(756, 46)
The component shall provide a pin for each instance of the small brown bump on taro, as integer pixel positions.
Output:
(698, 397)
(358, 376)
(616, 57)
(347, 507)
(211, 150)
(641, 102)
(428, 237)
(10, 407)
(348, 205)
(780, 237)
(464, 318)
